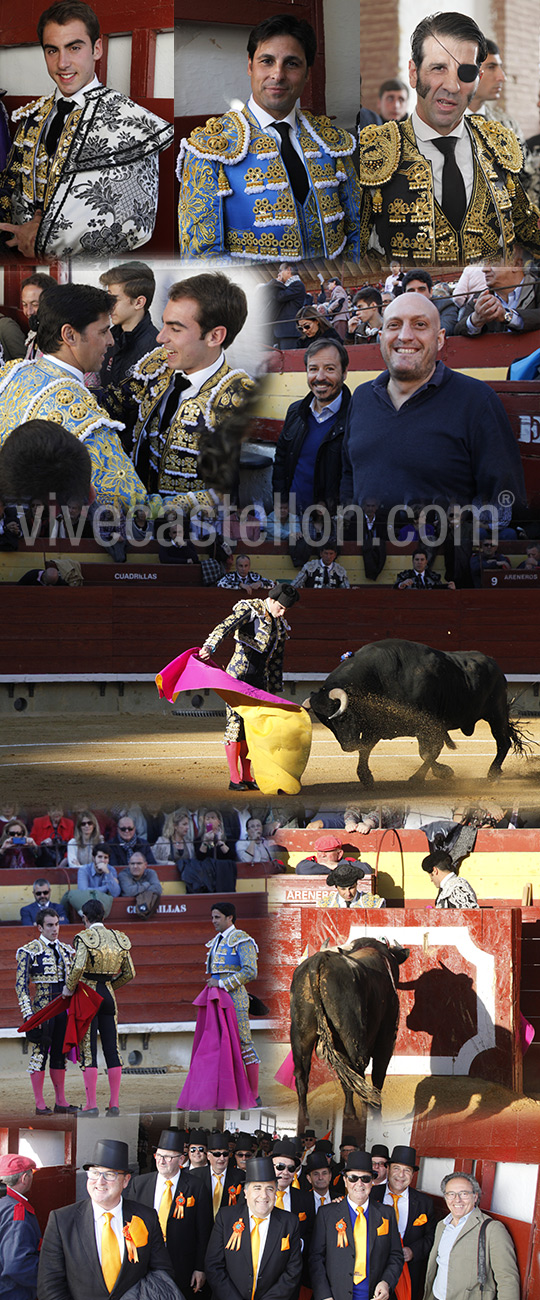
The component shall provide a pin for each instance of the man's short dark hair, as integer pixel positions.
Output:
(40, 280)
(77, 305)
(136, 279)
(439, 858)
(39, 458)
(46, 911)
(101, 848)
(67, 11)
(392, 83)
(459, 26)
(421, 275)
(220, 302)
(41, 880)
(319, 344)
(93, 910)
(421, 550)
(226, 909)
(492, 47)
(369, 294)
(284, 25)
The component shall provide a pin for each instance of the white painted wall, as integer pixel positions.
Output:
(514, 1191)
(432, 1172)
(164, 76)
(411, 13)
(44, 1148)
(210, 68)
(342, 48)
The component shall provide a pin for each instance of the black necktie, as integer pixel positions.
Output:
(63, 109)
(454, 199)
(171, 405)
(293, 163)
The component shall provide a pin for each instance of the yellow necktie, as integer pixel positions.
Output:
(255, 1251)
(218, 1193)
(110, 1253)
(395, 1197)
(360, 1246)
(279, 1200)
(165, 1206)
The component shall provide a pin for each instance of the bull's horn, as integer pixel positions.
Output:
(339, 694)
(307, 703)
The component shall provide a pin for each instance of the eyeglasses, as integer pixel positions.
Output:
(126, 828)
(218, 1154)
(306, 328)
(42, 893)
(94, 1176)
(289, 1169)
(199, 1149)
(86, 822)
(359, 1178)
(458, 1196)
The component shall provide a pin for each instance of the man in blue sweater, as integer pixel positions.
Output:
(422, 432)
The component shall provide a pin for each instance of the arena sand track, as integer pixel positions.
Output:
(164, 760)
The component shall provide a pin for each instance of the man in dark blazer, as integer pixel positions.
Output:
(510, 304)
(104, 1236)
(255, 1250)
(220, 1177)
(183, 1205)
(336, 1264)
(415, 1214)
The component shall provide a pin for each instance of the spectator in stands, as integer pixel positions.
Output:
(98, 873)
(31, 291)
(175, 843)
(244, 578)
(421, 575)
(487, 557)
(395, 278)
(138, 876)
(10, 528)
(286, 294)
(41, 890)
(328, 852)
(472, 281)
(127, 841)
(323, 571)
(419, 528)
(532, 556)
(50, 576)
(421, 431)
(365, 323)
(255, 848)
(312, 326)
(337, 308)
(17, 848)
(142, 526)
(510, 303)
(314, 535)
(345, 888)
(452, 891)
(52, 833)
(419, 281)
(281, 525)
(308, 452)
(176, 546)
(382, 818)
(87, 834)
(393, 101)
(214, 868)
(132, 285)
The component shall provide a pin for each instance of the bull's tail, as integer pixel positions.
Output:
(349, 1078)
(451, 744)
(522, 741)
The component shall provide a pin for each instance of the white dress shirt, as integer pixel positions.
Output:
(451, 1231)
(403, 1207)
(196, 381)
(263, 1233)
(325, 1199)
(265, 121)
(79, 96)
(117, 1225)
(160, 1188)
(425, 135)
(47, 356)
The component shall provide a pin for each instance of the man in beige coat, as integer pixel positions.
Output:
(456, 1266)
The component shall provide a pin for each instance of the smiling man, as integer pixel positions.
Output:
(355, 1252)
(255, 1250)
(272, 182)
(185, 385)
(423, 432)
(82, 176)
(440, 186)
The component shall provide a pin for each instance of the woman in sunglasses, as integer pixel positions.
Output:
(311, 326)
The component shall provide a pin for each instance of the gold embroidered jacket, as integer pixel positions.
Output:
(101, 953)
(399, 204)
(236, 198)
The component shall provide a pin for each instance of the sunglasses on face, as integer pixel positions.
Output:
(218, 1154)
(289, 1169)
(199, 1149)
(359, 1178)
(43, 893)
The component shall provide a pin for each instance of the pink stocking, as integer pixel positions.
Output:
(59, 1084)
(245, 763)
(115, 1075)
(37, 1080)
(252, 1072)
(90, 1087)
(232, 753)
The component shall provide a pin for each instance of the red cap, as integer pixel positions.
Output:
(327, 842)
(13, 1164)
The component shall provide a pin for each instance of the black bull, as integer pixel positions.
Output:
(402, 688)
(344, 1004)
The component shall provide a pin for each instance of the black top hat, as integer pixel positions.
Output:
(198, 1137)
(404, 1156)
(260, 1169)
(358, 1162)
(218, 1141)
(348, 1140)
(346, 873)
(245, 1142)
(316, 1160)
(323, 1144)
(286, 1147)
(380, 1150)
(172, 1139)
(308, 1133)
(110, 1154)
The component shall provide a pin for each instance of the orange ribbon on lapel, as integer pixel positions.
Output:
(341, 1228)
(136, 1234)
(179, 1206)
(236, 1235)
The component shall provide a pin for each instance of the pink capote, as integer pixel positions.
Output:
(189, 673)
(285, 1074)
(217, 1076)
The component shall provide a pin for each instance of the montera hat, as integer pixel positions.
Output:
(285, 593)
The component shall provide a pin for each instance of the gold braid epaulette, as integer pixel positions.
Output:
(501, 142)
(379, 149)
(336, 140)
(222, 138)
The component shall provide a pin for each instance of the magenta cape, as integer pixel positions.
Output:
(217, 1076)
(278, 733)
(189, 673)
